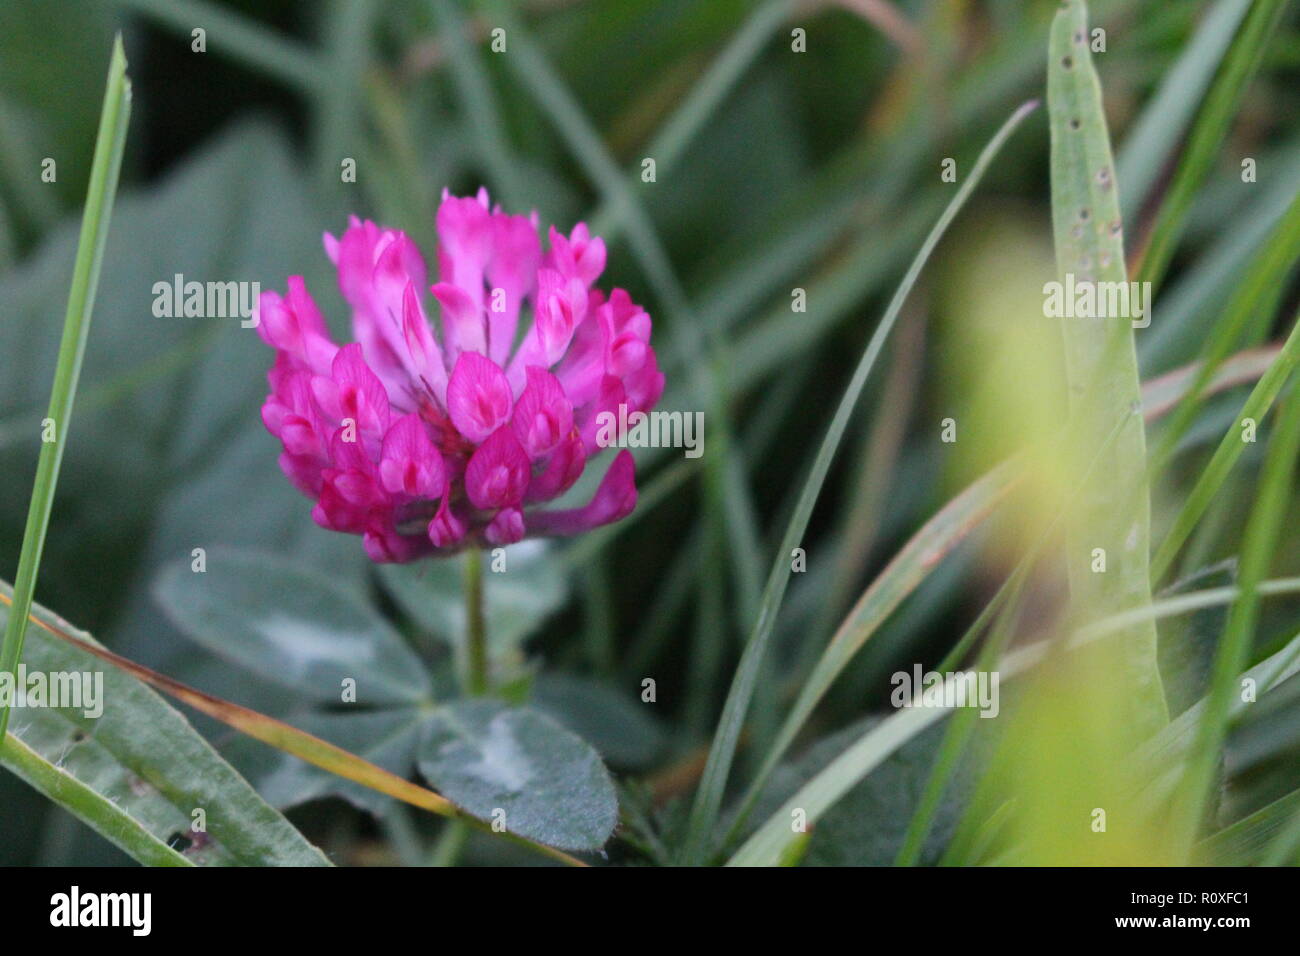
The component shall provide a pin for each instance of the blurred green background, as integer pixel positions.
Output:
(817, 170)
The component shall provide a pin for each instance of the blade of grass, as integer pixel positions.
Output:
(706, 95)
(1165, 756)
(656, 632)
(1261, 536)
(1190, 303)
(102, 189)
(336, 123)
(1161, 394)
(1255, 838)
(1213, 120)
(1266, 274)
(1283, 850)
(876, 466)
(1225, 456)
(962, 725)
(781, 336)
(877, 170)
(762, 425)
(1159, 128)
(598, 619)
(709, 643)
(1113, 513)
(922, 552)
(708, 800)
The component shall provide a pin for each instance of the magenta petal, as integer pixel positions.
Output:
(512, 269)
(465, 234)
(445, 529)
(614, 500)
(561, 307)
(290, 414)
(426, 363)
(497, 473)
(374, 267)
(353, 392)
(506, 528)
(578, 255)
(563, 468)
(388, 547)
(543, 414)
(409, 463)
(478, 396)
(306, 313)
(462, 320)
(645, 385)
(303, 473)
(347, 501)
(612, 395)
(293, 324)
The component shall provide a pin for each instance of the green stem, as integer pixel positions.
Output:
(476, 658)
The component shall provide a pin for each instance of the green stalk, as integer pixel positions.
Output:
(104, 170)
(476, 656)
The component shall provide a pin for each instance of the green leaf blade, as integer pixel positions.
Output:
(1113, 510)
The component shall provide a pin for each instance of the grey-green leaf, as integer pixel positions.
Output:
(521, 767)
(292, 626)
(617, 723)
